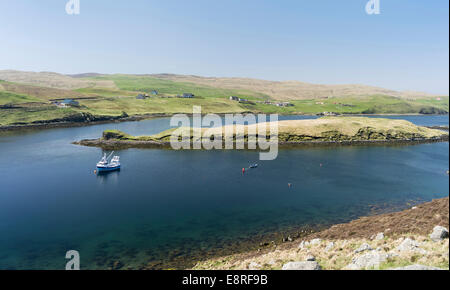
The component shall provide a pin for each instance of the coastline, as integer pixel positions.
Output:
(95, 120)
(124, 144)
(326, 131)
(343, 246)
(42, 125)
(265, 242)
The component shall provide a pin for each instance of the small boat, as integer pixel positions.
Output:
(253, 166)
(104, 165)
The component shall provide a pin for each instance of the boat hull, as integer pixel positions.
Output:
(108, 169)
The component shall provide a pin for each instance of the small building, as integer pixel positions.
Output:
(142, 96)
(243, 100)
(154, 92)
(234, 98)
(188, 96)
(70, 102)
(284, 104)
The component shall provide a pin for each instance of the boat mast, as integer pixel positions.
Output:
(110, 155)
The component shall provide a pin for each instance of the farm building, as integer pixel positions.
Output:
(187, 96)
(70, 102)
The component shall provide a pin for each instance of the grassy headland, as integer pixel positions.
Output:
(326, 130)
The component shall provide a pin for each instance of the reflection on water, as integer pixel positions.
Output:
(108, 176)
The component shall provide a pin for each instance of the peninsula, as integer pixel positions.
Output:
(323, 131)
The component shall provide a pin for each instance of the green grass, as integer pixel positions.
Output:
(323, 129)
(106, 92)
(11, 98)
(29, 115)
(357, 105)
(147, 84)
(132, 106)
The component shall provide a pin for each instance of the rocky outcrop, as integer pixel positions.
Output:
(82, 117)
(379, 236)
(415, 268)
(364, 247)
(329, 247)
(409, 245)
(254, 266)
(439, 233)
(302, 266)
(371, 260)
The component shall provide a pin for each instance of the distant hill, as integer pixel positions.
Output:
(278, 90)
(290, 90)
(51, 80)
(42, 93)
(85, 75)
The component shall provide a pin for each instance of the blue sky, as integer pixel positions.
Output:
(406, 47)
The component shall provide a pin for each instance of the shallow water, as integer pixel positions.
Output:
(169, 205)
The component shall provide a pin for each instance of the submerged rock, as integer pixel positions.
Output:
(302, 266)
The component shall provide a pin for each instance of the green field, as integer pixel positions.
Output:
(358, 105)
(105, 92)
(133, 106)
(32, 103)
(147, 84)
(12, 98)
(29, 115)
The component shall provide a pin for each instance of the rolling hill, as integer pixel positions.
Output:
(25, 96)
(207, 86)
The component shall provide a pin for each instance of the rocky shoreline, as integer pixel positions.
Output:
(413, 239)
(334, 131)
(88, 119)
(111, 144)
(79, 120)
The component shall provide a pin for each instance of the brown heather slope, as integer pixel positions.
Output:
(43, 93)
(420, 220)
(290, 90)
(52, 80)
